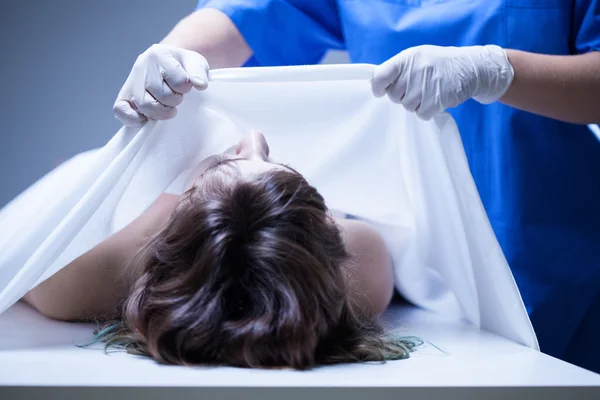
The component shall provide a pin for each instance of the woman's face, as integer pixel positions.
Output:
(250, 156)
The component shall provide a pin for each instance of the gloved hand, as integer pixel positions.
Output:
(430, 79)
(157, 82)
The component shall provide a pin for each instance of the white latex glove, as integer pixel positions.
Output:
(157, 82)
(430, 79)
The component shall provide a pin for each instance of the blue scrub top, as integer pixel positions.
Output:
(539, 178)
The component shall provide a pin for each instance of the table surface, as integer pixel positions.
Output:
(37, 351)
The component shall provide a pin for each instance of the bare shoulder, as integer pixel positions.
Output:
(92, 285)
(371, 262)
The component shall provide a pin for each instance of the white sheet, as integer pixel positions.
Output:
(366, 156)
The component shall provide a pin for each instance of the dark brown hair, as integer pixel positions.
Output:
(250, 273)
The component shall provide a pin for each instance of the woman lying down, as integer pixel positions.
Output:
(247, 268)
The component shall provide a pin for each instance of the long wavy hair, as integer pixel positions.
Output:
(248, 272)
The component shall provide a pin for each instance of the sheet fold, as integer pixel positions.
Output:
(367, 156)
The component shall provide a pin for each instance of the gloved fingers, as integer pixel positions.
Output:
(152, 109)
(124, 112)
(174, 74)
(384, 76)
(416, 87)
(163, 93)
(196, 67)
(397, 90)
(426, 112)
(412, 100)
(431, 104)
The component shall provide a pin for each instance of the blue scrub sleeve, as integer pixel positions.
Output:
(284, 32)
(586, 26)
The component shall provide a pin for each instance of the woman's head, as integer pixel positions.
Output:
(250, 270)
(250, 157)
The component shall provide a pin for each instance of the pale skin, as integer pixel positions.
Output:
(93, 285)
(561, 87)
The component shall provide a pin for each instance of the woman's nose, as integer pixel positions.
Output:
(253, 146)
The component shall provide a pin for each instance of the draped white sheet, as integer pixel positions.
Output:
(367, 156)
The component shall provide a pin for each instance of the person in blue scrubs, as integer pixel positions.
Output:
(534, 160)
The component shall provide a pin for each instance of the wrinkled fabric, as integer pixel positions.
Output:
(408, 178)
(539, 178)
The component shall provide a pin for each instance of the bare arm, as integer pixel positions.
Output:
(212, 34)
(93, 284)
(371, 262)
(566, 88)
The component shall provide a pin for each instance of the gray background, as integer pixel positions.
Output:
(62, 63)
